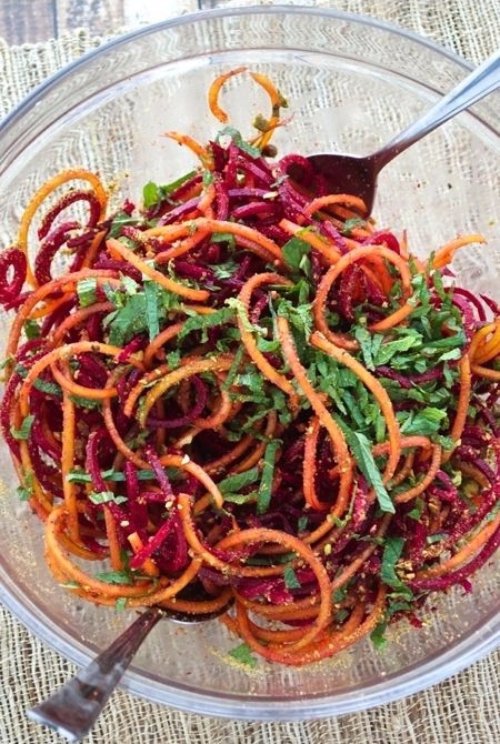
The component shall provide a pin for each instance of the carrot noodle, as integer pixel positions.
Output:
(245, 400)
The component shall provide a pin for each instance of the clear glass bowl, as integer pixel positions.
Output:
(351, 83)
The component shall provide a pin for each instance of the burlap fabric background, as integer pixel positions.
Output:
(461, 710)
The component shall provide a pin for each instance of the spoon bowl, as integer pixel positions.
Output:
(350, 174)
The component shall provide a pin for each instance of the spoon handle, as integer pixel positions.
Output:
(483, 80)
(73, 709)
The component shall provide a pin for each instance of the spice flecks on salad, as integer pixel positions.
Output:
(243, 395)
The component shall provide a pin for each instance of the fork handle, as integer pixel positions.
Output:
(73, 709)
(483, 80)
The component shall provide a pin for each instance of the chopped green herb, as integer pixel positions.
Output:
(351, 224)
(425, 422)
(230, 134)
(290, 578)
(243, 654)
(151, 291)
(88, 403)
(31, 329)
(266, 482)
(86, 291)
(361, 449)
(224, 237)
(417, 510)
(70, 584)
(114, 577)
(150, 194)
(393, 549)
(294, 251)
(24, 430)
(121, 604)
(377, 636)
(236, 482)
(302, 524)
(120, 220)
(437, 537)
(104, 497)
(203, 322)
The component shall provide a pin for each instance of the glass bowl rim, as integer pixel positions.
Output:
(472, 647)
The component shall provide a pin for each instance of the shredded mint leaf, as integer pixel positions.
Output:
(417, 510)
(299, 316)
(150, 194)
(425, 422)
(364, 339)
(130, 286)
(24, 430)
(23, 493)
(224, 237)
(118, 223)
(224, 270)
(388, 350)
(294, 251)
(377, 636)
(243, 654)
(70, 584)
(31, 329)
(86, 291)
(114, 577)
(438, 537)
(351, 224)
(302, 524)
(121, 604)
(152, 311)
(234, 483)
(203, 322)
(266, 482)
(88, 403)
(290, 578)
(361, 449)
(393, 549)
(233, 135)
(104, 497)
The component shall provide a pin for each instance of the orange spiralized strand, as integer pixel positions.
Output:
(376, 388)
(462, 403)
(344, 459)
(319, 243)
(195, 295)
(426, 481)
(40, 196)
(309, 470)
(49, 307)
(489, 374)
(25, 311)
(248, 340)
(162, 338)
(333, 199)
(64, 352)
(254, 457)
(79, 317)
(261, 534)
(333, 642)
(70, 386)
(461, 556)
(334, 272)
(184, 247)
(445, 255)
(174, 232)
(201, 607)
(201, 152)
(214, 92)
(214, 364)
(115, 553)
(148, 566)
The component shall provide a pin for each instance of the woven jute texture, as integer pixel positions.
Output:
(461, 710)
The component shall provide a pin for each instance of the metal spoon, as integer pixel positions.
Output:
(358, 175)
(73, 709)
